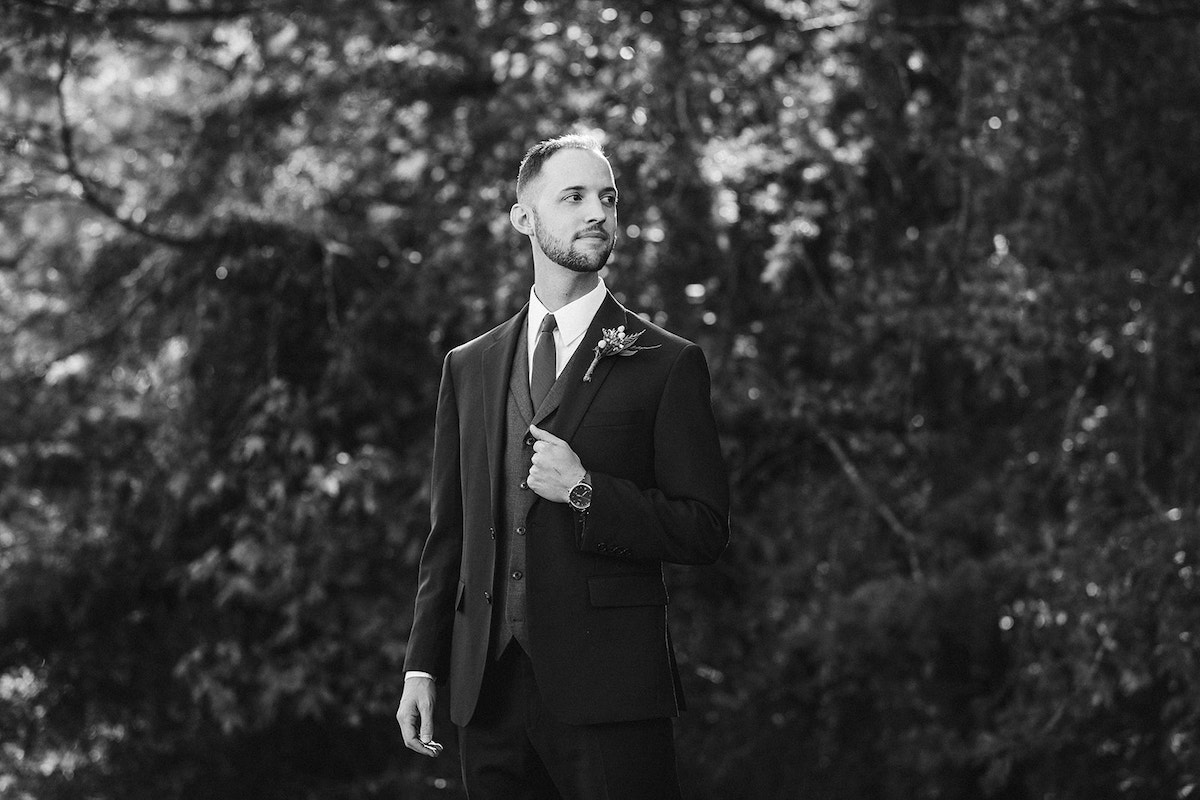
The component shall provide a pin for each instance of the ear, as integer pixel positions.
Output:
(521, 218)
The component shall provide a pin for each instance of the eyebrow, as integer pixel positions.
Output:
(581, 188)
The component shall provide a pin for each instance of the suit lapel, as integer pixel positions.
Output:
(518, 384)
(578, 394)
(497, 365)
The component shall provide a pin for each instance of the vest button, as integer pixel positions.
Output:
(524, 485)
(529, 440)
(517, 575)
(520, 530)
(487, 596)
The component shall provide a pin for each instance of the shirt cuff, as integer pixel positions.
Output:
(414, 673)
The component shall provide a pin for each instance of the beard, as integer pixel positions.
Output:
(564, 253)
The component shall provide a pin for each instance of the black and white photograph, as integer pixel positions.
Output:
(599, 400)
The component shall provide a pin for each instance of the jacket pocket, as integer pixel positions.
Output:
(626, 590)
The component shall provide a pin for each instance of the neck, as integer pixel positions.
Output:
(558, 286)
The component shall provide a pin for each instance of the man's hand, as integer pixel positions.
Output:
(415, 716)
(555, 468)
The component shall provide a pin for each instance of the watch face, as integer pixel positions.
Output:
(581, 496)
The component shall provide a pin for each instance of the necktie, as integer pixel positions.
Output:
(542, 376)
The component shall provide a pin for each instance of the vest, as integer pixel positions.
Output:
(509, 613)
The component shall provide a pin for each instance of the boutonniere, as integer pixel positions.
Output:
(615, 342)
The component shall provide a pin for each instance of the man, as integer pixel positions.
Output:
(566, 470)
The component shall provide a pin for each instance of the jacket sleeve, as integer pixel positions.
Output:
(684, 517)
(433, 617)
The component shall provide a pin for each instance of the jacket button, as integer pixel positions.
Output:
(524, 485)
(520, 530)
(529, 440)
(517, 575)
(492, 532)
(487, 596)
(602, 547)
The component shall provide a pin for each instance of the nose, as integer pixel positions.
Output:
(594, 211)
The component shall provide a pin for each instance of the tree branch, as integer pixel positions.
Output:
(1076, 17)
(104, 334)
(126, 14)
(768, 18)
(872, 498)
(86, 185)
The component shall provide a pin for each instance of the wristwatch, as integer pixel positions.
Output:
(580, 496)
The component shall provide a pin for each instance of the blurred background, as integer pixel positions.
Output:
(941, 255)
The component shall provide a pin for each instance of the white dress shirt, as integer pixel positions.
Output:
(572, 323)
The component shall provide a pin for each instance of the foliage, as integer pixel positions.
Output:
(941, 256)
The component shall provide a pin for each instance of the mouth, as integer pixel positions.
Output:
(593, 235)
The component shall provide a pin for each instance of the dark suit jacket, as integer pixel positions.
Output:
(596, 611)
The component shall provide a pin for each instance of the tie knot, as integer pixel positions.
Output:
(548, 324)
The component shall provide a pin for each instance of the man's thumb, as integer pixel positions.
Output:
(545, 436)
(426, 710)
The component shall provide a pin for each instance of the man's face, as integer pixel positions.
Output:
(574, 208)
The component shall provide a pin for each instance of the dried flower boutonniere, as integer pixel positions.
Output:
(615, 342)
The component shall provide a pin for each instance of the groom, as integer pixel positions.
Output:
(575, 451)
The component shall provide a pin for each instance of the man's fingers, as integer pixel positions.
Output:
(407, 729)
(425, 743)
(427, 725)
(407, 717)
(544, 436)
(415, 716)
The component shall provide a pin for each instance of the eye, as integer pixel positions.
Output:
(609, 200)
(573, 197)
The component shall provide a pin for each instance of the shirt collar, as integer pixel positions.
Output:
(574, 318)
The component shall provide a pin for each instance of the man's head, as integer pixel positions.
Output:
(567, 203)
(536, 157)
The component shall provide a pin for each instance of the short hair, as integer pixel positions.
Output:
(539, 154)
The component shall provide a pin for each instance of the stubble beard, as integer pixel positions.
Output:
(560, 252)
